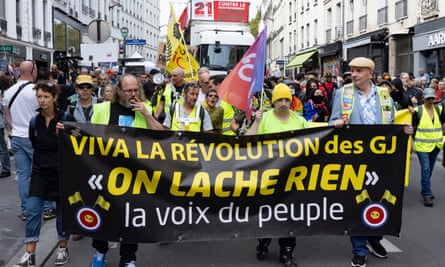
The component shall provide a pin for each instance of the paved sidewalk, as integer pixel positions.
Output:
(12, 229)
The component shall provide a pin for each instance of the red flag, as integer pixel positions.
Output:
(247, 77)
(184, 18)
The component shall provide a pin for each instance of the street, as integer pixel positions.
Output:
(420, 244)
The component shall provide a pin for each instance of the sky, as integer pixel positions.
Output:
(179, 5)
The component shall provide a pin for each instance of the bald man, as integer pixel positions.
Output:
(18, 113)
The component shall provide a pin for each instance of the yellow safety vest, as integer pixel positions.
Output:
(348, 101)
(429, 134)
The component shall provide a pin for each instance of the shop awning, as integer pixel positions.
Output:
(298, 60)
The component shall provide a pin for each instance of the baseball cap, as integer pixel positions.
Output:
(429, 93)
(84, 79)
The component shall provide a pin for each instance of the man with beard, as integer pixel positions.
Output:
(186, 114)
(129, 109)
(279, 119)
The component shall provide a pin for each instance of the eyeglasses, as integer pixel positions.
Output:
(430, 98)
(131, 91)
(212, 95)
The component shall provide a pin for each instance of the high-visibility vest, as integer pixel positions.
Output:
(348, 101)
(429, 134)
(102, 113)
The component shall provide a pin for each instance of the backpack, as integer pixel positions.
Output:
(201, 114)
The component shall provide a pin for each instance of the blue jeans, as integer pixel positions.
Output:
(359, 247)
(33, 221)
(4, 153)
(23, 153)
(427, 161)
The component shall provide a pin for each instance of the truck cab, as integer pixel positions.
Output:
(220, 46)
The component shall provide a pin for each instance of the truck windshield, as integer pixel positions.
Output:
(223, 57)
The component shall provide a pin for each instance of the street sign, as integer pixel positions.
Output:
(124, 31)
(135, 42)
(98, 31)
(6, 48)
(280, 61)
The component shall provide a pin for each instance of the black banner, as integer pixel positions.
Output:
(134, 185)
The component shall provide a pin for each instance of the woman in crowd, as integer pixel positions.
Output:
(44, 182)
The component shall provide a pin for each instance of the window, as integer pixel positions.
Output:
(382, 15)
(401, 9)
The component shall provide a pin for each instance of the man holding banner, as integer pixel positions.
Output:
(279, 119)
(363, 103)
(129, 109)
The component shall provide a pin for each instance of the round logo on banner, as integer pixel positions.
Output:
(375, 215)
(89, 219)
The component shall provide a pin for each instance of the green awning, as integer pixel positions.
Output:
(298, 60)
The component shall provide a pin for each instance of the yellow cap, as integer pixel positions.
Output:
(84, 79)
(281, 91)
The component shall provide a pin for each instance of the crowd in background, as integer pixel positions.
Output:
(162, 101)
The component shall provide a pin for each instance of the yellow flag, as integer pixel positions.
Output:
(73, 199)
(174, 35)
(183, 59)
(101, 202)
(389, 197)
(362, 196)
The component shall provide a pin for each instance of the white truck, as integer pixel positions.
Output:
(103, 55)
(219, 33)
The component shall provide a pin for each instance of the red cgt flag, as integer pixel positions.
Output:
(184, 18)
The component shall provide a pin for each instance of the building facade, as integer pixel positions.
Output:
(323, 36)
(47, 31)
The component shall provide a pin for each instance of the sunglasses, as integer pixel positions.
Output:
(84, 87)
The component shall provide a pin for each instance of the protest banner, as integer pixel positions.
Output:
(135, 185)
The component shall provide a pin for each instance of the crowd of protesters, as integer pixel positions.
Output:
(165, 101)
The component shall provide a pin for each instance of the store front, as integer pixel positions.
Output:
(305, 61)
(331, 58)
(373, 45)
(429, 47)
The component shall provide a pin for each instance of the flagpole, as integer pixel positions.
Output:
(188, 55)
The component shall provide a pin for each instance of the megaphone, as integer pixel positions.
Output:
(158, 78)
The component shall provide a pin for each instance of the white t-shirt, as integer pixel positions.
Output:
(23, 108)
